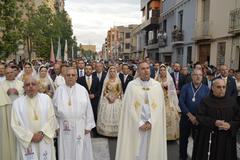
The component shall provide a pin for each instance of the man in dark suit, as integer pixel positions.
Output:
(125, 77)
(231, 89)
(178, 78)
(55, 71)
(80, 68)
(100, 74)
(91, 83)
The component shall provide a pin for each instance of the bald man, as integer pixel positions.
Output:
(231, 87)
(34, 123)
(219, 120)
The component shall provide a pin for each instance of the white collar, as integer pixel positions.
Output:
(89, 76)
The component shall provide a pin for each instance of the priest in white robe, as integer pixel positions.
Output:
(75, 116)
(142, 128)
(34, 124)
(10, 89)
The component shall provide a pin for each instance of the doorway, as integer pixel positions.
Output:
(204, 53)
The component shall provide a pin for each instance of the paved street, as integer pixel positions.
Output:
(104, 149)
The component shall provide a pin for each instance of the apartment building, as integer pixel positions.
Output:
(177, 26)
(150, 26)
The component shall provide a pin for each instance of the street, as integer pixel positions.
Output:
(104, 149)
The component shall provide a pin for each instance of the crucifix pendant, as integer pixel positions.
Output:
(193, 99)
(69, 102)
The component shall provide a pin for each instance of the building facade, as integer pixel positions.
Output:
(176, 31)
(125, 41)
(205, 31)
(217, 32)
(138, 43)
(150, 27)
(118, 42)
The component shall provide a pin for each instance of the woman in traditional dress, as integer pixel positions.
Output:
(28, 71)
(171, 103)
(45, 82)
(110, 105)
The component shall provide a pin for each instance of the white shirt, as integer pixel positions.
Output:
(125, 78)
(59, 81)
(99, 75)
(2, 78)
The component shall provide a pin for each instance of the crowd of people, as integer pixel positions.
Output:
(51, 111)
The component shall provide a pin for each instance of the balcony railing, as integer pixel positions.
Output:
(234, 24)
(162, 39)
(177, 37)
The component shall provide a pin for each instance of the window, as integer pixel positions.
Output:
(206, 10)
(221, 47)
(180, 19)
(165, 26)
(127, 46)
(150, 13)
(150, 35)
(127, 35)
(180, 55)
(189, 54)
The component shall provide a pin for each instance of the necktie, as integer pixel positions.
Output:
(81, 73)
(225, 80)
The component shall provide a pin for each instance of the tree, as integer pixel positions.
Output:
(45, 25)
(11, 27)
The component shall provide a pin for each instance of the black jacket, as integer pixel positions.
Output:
(128, 79)
(93, 90)
(100, 80)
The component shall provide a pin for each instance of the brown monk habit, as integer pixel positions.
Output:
(210, 143)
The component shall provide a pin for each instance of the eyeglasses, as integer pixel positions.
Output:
(69, 75)
(218, 87)
(30, 84)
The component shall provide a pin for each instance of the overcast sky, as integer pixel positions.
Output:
(92, 19)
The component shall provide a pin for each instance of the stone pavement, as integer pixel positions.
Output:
(190, 147)
(104, 149)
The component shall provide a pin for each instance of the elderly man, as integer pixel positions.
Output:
(55, 71)
(74, 112)
(231, 87)
(142, 128)
(10, 89)
(2, 72)
(190, 97)
(34, 123)
(219, 120)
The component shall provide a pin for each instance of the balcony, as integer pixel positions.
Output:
(234, 24)
(152, 44)
(177, 37)
(203, 31)
(152, 21)
(162, 39)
